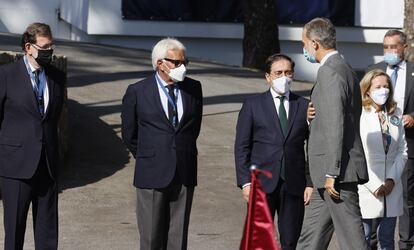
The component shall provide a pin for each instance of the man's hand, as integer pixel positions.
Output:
(408, 121)
(307, 195)
(388, 185)
(329, 186)
(246, 193)
(380, 192)
(311, 112)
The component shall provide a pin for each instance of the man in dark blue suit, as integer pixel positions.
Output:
(161, 119)
(271, 132)
(31, 97)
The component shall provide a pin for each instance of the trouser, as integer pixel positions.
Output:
(41, 191)
(163, 216)
(290, 209)
(324, 215)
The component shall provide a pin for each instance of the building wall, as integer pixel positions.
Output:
(101, 21)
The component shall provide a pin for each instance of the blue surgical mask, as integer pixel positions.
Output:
(392, 58)
(309, 57)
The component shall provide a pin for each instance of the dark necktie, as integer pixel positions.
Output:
(38, 92)
(394, 75)
(282, 115)
(172, 110)
(284, 124)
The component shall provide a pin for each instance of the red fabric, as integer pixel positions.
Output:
(258, 231)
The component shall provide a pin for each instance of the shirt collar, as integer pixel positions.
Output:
(328, 55)
(27, 62)
(164, 83)
(401, 65)
(276, 95)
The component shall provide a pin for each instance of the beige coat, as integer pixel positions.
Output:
(381, 166)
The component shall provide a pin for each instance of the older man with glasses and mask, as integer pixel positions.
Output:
(161, 119)
(31, 97)
(271, 133)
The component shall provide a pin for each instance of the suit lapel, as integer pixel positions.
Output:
(50, 86)
(293, 109)
(186, 99)
(27, 89)
(372, 131)
(154, 98)
(408, 82)
(270, 108)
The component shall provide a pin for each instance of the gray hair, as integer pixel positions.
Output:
(160, 50)
(323, 31)
(402, 35)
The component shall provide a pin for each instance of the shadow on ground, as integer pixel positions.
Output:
(95, 150)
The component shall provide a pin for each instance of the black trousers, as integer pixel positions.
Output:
(290, 210)
(406, 221)
(17, 194)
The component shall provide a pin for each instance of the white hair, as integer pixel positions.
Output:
(160, 50)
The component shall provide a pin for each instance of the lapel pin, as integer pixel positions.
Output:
(395, 120)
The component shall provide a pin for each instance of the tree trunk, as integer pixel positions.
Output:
(261, 36)
(409, 28)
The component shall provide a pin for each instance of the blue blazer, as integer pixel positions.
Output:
(160, 149)
(23, 130)
(260, 141)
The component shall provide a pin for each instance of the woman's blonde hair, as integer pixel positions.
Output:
(365, 85)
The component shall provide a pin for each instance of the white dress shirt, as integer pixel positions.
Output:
(399, 91)
(164, 98)
(327, 56)
(42, 81)
(276, 100)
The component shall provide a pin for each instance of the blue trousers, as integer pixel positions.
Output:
(385, 231)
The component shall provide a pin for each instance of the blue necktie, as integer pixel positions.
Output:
(172, 110)
(394, 75)
(38, 92)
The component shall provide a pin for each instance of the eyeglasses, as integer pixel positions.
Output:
(45, 47)
(277, 74)
(177, 63)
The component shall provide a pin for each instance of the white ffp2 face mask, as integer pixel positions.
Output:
(281, 85)
(178, 74)
(380, 96)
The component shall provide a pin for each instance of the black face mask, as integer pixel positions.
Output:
(44, 57)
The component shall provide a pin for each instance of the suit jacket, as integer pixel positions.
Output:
(382, 166)
(23, 130)
(408, 100)
(160, 149)
(335, 146)
(260, 141)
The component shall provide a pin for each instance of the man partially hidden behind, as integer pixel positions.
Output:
(336, 158)
(271, 133)
(31, 97)
(161, 119)
(401, 73)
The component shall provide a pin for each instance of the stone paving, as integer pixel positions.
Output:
(97, 199)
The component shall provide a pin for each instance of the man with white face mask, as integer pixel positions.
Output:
(271, 133)
(401, 73)
(161, 119)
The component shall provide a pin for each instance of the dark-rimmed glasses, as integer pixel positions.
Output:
(45, 47)
(177, 63)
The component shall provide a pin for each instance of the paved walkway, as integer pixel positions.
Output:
(97, 199)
